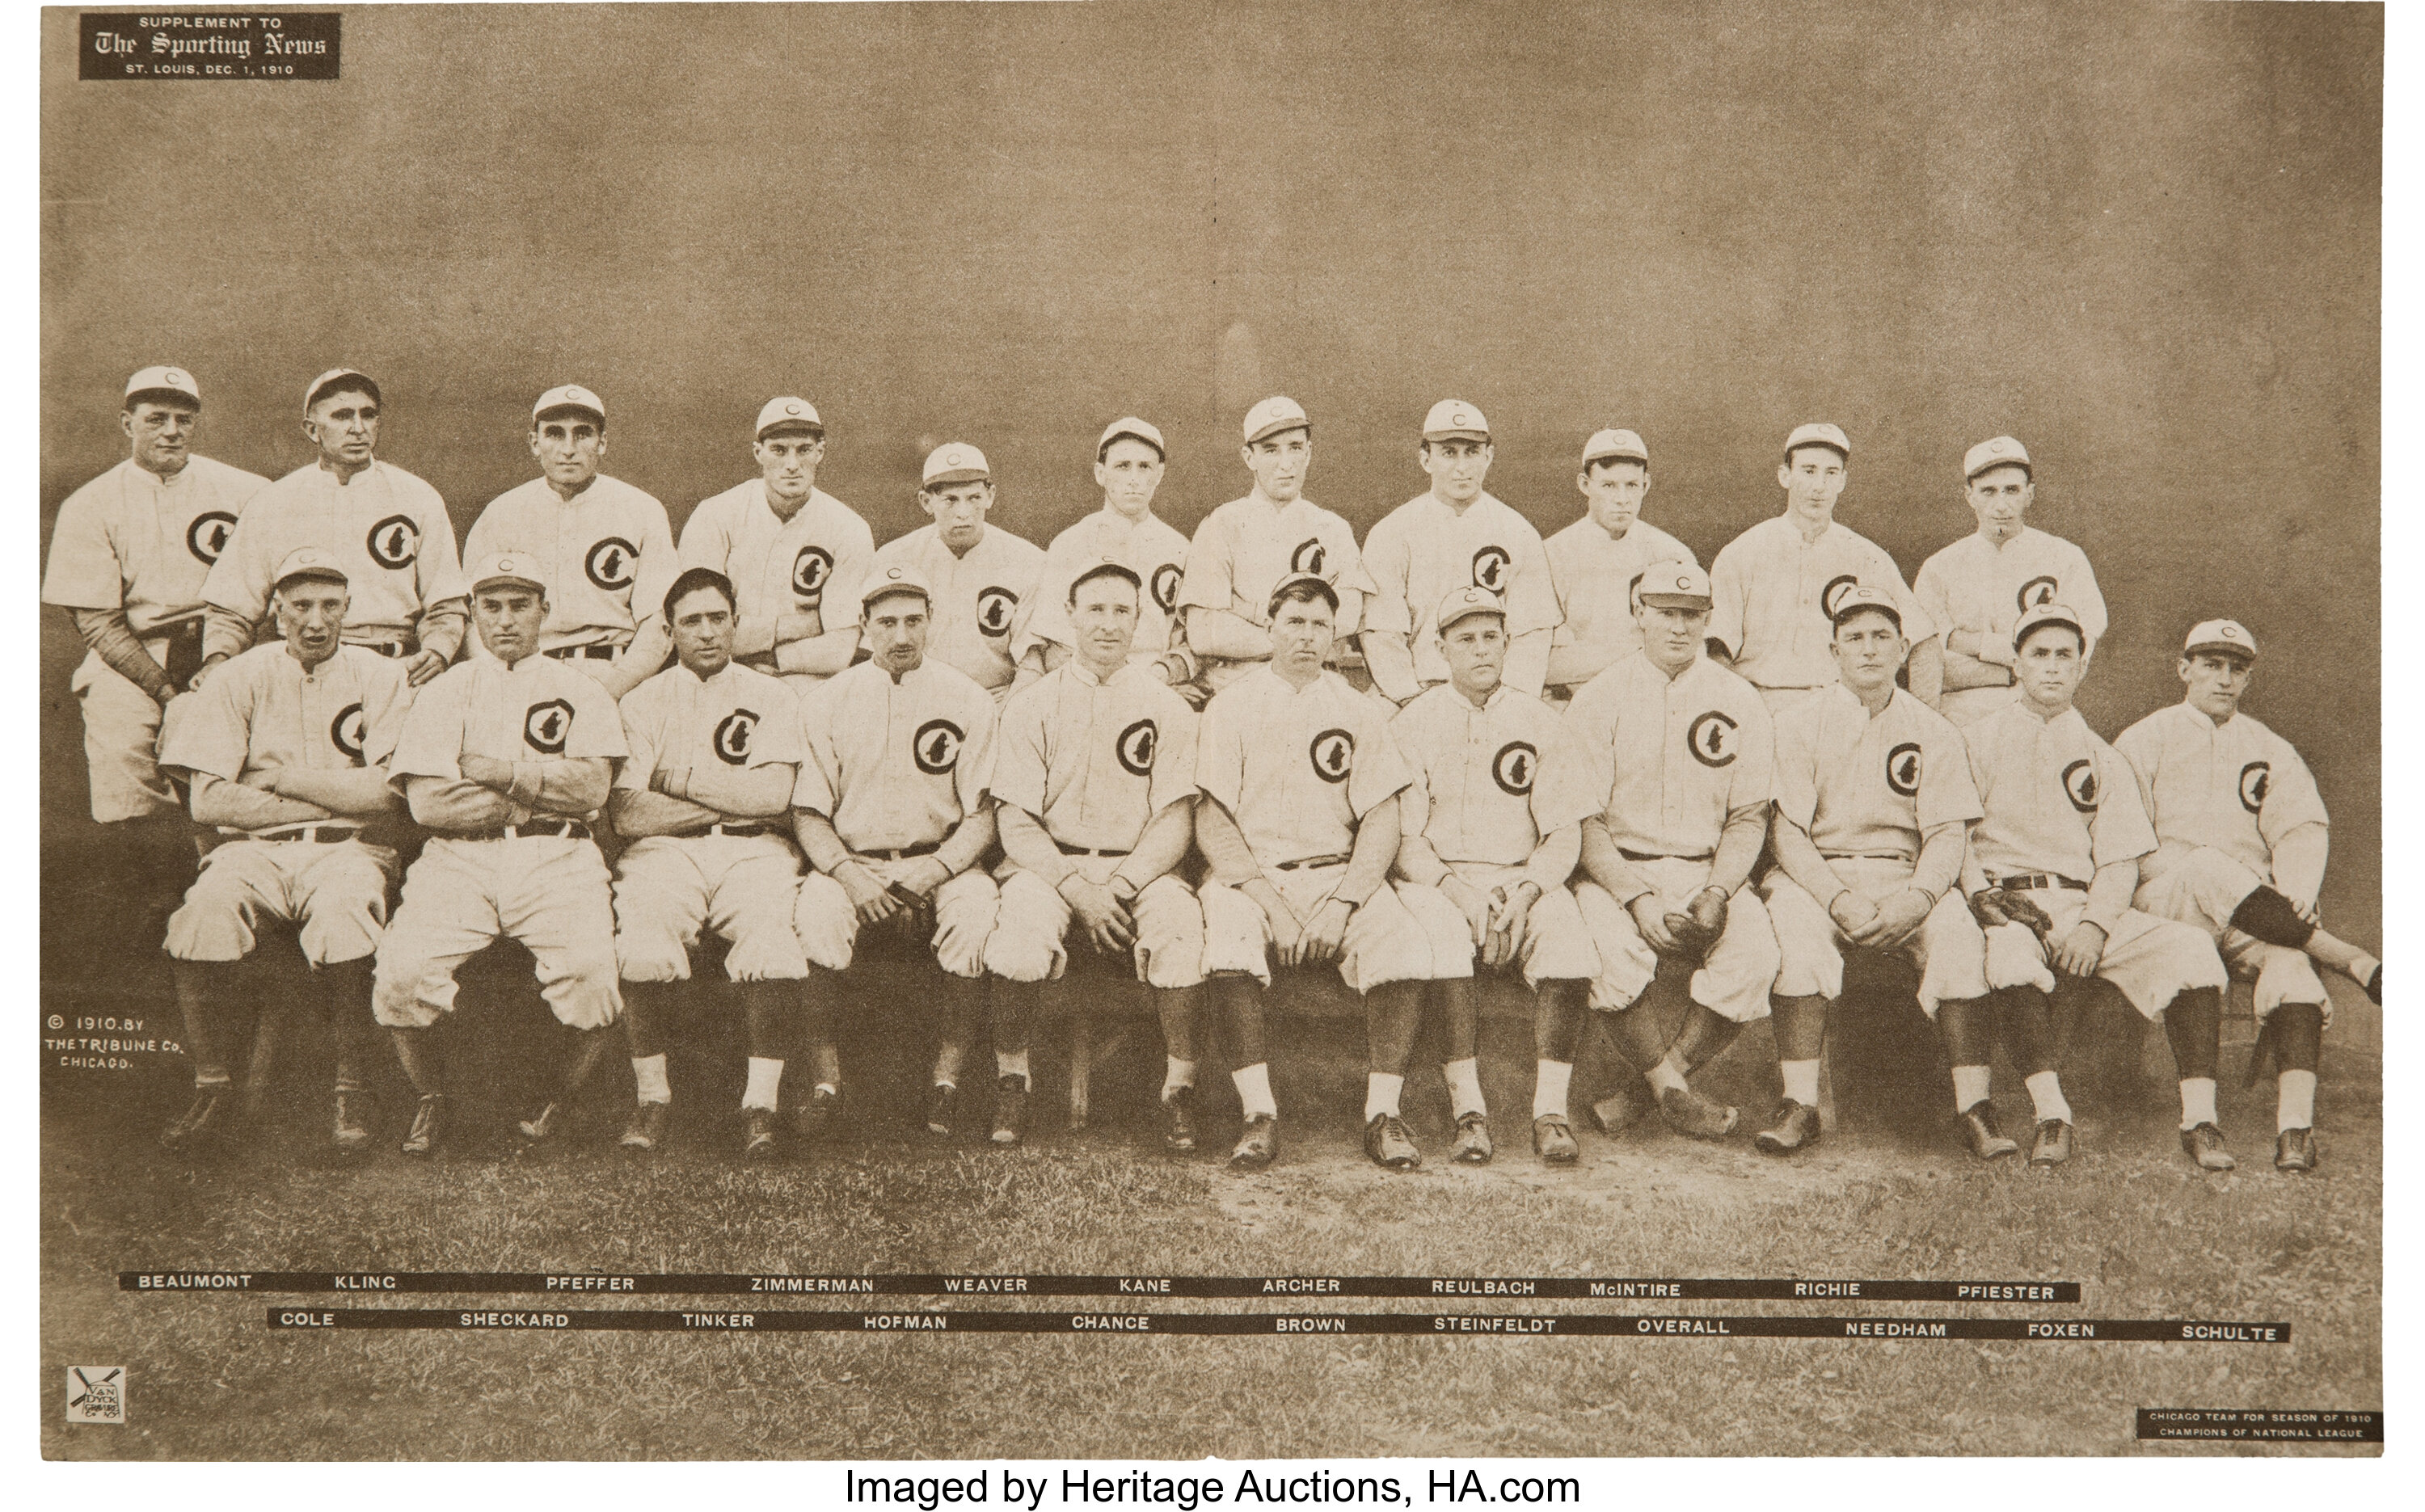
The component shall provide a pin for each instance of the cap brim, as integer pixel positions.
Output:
(161, 393)
(942, 480)
(791, 427)
(314, 574)
(1616, 457)
(532, 584)
(1281, 427)
(1106, 444)
(1674, 600)
(1483, 436)
(2027, 628)
(338, 384)
(1478, 612)
(2022, 462)
(1806, 445)
(2222, 647)
(554, 410)
(892, 590)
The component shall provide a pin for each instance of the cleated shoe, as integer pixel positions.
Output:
(1258, 1143)
(2204, 1144)
(428, 1125)
(1472, 1147)
(2053, 1145)
(1390, 1146)
(1797, 1128)
(1978, 1123)
(1010, 1110)
(758, 1133)
(647, 1130)
(1688, 1112)
(1555, 1142)
(353, 1135)
(1179, 1109)
(2295, 1150)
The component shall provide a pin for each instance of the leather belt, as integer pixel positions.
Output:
(2036, 878)
(600, 652)
(735, 832)
(1337, 858)
(1637, 855)
(318, 833)
(925, 848)
(571, 829)
(1084, 851)
(1868, 855)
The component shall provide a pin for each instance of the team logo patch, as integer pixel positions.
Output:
(1714, 739)
(994, 607)
(207, 537)
(1136, 747)
(1514, 768)
(809, 571)
(1309, 557)
(1902, 768)
(732, 734)
(1334, 755)
(937, 747)
(2035, 594)
(611, 563)
(545, 726)
(1164, 584)
(346, 732)
(2256, 781)
(1490, 569)
(393, 542)
(1834, 593)
(2079, 784)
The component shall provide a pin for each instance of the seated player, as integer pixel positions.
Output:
(1492, 816)
(890, 810)
(1094, 783)
(1873, 803)
(286, 751)
(506, 761)
(705, 798)
(2240, 841)
(1300, 827)
(2050, 873)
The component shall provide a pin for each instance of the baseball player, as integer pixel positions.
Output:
(1875, 804)
(1300, 831)
(984, 579)
(1975, 589)
(2050, 872)
(1608, 546)
(1127, 464)
(508, 760)
(128, 557)
(1093, 783)
(890, 810)
(789, 549)
(1243, 549)
(1453, 536)
(705, 800)
(386, 528)
(1679, 753)
(1492, 817)
(604, 544)
(285, 752)
(1776, 583)
(2240, 841)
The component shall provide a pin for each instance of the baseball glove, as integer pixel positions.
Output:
(1992, 906)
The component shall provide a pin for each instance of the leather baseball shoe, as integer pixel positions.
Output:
(2053, 1144)
(1390, 1146)
(1612, 1113)
(942, 1110)
(758, 1133)
(1797, 1128)
(1258, 1143)
(815, 1116)
(549, 1122)
(2204, 1144)
(352, 1134)
(1472, 1147)
(204, 1121)
(428, 1125)
(647, 1130)
(1553, 1141)
(1010, 1110)
(1977, 1121)
(1179, 1109)
(1688, 1112)
(2294, 1150)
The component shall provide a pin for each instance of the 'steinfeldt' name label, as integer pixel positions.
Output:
(207, 44)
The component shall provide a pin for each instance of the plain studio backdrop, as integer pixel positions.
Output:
(2142, 238)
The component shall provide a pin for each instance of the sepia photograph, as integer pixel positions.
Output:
(1668, 712)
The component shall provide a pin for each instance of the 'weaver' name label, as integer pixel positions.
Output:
(985, 1283)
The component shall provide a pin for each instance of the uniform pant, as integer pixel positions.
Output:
(548, 892)
(1555, 945)
(2203, 890)
(1969, 705)
(121, 743)
(742, 886)
(336, 893)
(1030, 938)
(965, 910)
(2152, 959)
(1732, 983)
(1403, 933)
(1946, 948)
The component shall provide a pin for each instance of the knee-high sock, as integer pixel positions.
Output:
(647, 1006)
(1013, 1017)
(1558, 1010)
(2269, 916)
(346, 987)
(770, 1017)
(589, 1046)
(2193, 1027)
(418, 1055)
(2025, 1018)
(816, 1025)
(1801, 1027)
(1177, 1007)
(1241, 1002)
(1968, 1027)
(2298, 1031)
(964, 1001)
(198, 983)
(1392, 1012)
(269, 1027)
(1638, 1037)
(1705, 1035)
(1460, 1015)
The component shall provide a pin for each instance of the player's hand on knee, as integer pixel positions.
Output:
(1473, 903)
(2080, 950)
(1895, 920)
(1854, 915)
(1650, 917)
(1108, 924)
(1324, 932)
(869, 898)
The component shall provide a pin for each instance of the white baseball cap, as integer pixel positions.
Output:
(569, 396)
(1817, 433)
(164, 381)
(1674, 585)
(2001, 451)
(1613, 446)
(954, 462)
(2220, 635)
(2042, 616)
(1862, 596)
(1143, 430)
(1455, 420)
(1274, 415)
(789, 412)
(895, 580)
(308, 562)
(509, 567)
(331, 379)
(1464, 604)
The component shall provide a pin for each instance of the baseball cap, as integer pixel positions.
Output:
(955, 462)
(1613, 446)
(507, 567)
(2045, 614)
(1274, 415)
(330, 380)
(308, 562)
(2220, 635)
(569, 396)
(894, 580)
(163, 381)
(789, 412)
(1110, 567)
(1143, 430)
(1817, 433)
(1455, 420)
(2001, 451)
(1862, 596)
(1330, 594)
(1464, 604)
(1674, 585)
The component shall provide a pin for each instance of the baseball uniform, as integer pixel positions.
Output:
(389, 532)
(1148, 547)
(1977, 585)
(981, 599)
(1772, 595)
(818, 557)
(538, 879)
(608, 556)
(1244, 547)
(1595, 627)
(897, 766)
(140, 544)
(1669, 759)
(1868, 789)
(1424, 550)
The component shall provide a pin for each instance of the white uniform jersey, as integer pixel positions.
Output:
(1670, 758)
(537, 709)
(1095, 760)
(2056, 798)
(1485, 785)
(896, 765)
(981, 599)
(1244, 547)
(1297, 770)
(2235, 786)
(1871, 786)
(1149, 548)
(1593, 577)
(607, 556)
(261, 711)
(387, 530)
(1424, 551)
(1978, 586)
(1770, 592)
(134, 541)
(818, 558)
(740, 719)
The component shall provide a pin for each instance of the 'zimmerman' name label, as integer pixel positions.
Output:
(206, 45)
